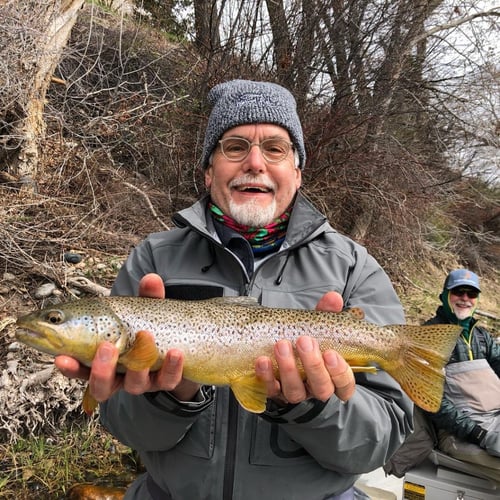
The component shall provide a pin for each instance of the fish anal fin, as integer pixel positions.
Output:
(89, 404)
(251, 392)
(143, 353)
(365, 369)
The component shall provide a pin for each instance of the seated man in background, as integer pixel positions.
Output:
(468, 422)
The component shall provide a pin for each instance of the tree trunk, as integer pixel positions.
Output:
(206, 22)
(283, 48)
(36, 33)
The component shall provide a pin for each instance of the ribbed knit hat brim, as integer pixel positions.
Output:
(240, 102)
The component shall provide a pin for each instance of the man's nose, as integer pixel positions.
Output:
(255, 161)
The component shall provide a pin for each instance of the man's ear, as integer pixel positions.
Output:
(298, 177)
(297, 158)
(208, 176)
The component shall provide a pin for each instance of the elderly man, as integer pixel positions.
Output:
(468, 421)
(254, 234)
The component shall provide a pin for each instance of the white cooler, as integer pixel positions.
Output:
(441, 477)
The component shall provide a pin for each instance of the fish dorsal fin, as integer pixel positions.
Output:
(356, 312)
(244, 301)
(143, 353)
(251, 392)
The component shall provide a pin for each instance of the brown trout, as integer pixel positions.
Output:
(221, 339)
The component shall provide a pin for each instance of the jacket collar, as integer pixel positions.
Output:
(305, 223)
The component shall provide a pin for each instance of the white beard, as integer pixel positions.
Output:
(252, 214)
(462, 313)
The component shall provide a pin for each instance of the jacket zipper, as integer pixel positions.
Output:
(230, 458)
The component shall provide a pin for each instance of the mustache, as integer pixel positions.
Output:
(252, 179)
(464, 304)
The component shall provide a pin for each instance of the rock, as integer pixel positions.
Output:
(14, 346)
(45, 290)
(72, 258)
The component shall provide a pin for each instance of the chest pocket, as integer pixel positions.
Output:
(271, 445)
(193, 292)
(298, 298)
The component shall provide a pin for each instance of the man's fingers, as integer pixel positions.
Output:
(103, 381)
(341, 375)
(169, 377)
(137, 382)
(151, 285)
(71, 368)
(264, 370)
(331, 301)
(170, 374)
(319, 381)
(292, 385)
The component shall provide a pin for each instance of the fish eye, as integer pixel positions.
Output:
(55, 317)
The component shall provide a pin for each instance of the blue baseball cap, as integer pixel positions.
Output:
(462, 277)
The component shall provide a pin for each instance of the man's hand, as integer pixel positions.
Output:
(491, 442)
(326, 373)
(102, 376)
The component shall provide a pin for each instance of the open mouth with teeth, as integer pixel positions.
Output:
(253, 189)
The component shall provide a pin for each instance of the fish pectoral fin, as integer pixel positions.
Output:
(143, 353)
(250, 392)
(89, 404)
(366, 369)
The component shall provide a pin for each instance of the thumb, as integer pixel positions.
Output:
(331, 301)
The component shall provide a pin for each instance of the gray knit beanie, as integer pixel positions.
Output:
(239, 102)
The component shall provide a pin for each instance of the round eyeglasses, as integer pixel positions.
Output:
(273, 150)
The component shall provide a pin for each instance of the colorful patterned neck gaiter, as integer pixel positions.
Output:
(261, 239)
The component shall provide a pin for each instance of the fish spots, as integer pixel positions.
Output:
(221, 339)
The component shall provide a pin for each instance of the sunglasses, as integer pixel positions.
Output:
(459, 292)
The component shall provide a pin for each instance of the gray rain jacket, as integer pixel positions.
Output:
(213, 449)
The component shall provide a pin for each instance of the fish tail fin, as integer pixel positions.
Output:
(251, 392)
(425, 350)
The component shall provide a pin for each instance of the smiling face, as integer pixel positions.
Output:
(463, 301)
(253, 191)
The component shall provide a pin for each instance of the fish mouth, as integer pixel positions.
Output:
(30, 334)
(45, 340)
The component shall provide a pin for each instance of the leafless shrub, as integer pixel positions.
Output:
(34, 397)
(128, 93)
